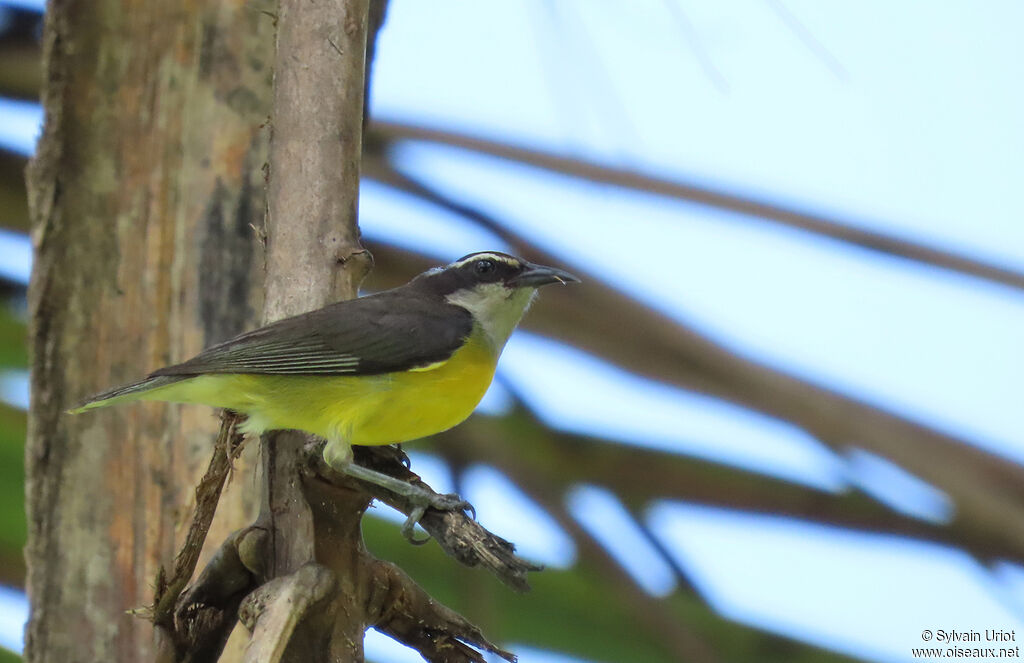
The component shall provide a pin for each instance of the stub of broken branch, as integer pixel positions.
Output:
(400, 608)
(459, 535)
(207, 611)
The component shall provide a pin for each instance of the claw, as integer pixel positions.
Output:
(449, 502)
(466, 506)
(454, 502)
(408, 526)
(404, 459)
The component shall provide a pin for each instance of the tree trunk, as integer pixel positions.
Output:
(144, 194)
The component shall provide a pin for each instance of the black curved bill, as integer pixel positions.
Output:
(535, 276)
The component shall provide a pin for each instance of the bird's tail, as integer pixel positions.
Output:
(128, 392)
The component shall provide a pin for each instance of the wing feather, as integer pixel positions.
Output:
(383, 333)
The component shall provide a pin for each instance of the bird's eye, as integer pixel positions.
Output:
(484, 266)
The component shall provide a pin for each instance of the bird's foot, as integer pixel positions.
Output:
(423, 500)
(418, 497)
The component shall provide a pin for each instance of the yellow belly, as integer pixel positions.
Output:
(380, 409)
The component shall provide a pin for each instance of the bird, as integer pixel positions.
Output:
(385, 368)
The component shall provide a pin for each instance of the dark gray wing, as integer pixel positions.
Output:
(383, 333)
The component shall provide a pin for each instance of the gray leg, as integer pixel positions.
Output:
(339, 456)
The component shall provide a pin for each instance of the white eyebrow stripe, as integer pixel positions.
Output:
(477, 256)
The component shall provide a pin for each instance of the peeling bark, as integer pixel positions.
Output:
(278, 611)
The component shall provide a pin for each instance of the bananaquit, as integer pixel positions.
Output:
(390, 367)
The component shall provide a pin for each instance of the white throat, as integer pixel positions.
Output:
(495, 308)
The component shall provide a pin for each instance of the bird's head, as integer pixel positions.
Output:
(495, 288)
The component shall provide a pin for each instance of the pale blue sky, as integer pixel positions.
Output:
(904, 117)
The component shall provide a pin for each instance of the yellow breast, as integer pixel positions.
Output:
(406, 406)
(371, 410)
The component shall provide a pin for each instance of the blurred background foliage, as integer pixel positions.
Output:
(789, 429)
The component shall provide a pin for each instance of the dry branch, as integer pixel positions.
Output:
(459, 535)
(388, 598)
(400, 608)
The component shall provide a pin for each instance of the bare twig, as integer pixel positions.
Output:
(225, 449)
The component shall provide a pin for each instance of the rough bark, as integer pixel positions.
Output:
(146, 181)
